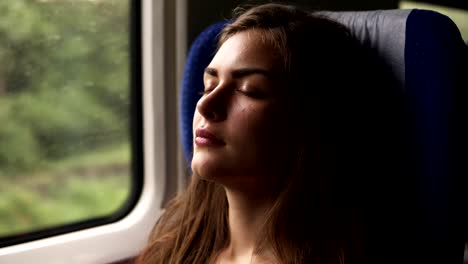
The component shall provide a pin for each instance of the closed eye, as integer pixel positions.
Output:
(204, 92)
(209, 86)
(250, 93)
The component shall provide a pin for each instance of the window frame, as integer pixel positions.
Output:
(124, 238)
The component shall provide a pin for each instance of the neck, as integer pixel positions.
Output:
(247, 215)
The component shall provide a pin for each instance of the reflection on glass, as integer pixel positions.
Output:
(64, 112)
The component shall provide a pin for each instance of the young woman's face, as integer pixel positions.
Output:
(240, 125)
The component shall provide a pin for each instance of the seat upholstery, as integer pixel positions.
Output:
(199, 56)
(426, 56)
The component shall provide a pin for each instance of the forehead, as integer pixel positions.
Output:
(247, 49)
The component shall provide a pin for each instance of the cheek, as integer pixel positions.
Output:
(266, 141)
(260, 125)
(276, 134)
(270, 118)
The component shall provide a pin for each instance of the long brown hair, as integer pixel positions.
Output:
(314, 217)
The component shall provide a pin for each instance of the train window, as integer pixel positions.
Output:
(459, 16)
(65, 145)
(78, 79)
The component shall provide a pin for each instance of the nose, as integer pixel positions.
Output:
(213, 105)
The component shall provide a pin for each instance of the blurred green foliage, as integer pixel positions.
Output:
(64, 111)
(72, 200)
(64, 80)
(78, 188)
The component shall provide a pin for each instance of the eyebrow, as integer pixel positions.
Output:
(239, 73)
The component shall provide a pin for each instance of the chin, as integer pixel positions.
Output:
(206, 173)
(211, 169)
(204, 167)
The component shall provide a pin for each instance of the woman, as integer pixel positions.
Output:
(278, 133)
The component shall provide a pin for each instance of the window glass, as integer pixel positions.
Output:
(64, 112)
(459, 16)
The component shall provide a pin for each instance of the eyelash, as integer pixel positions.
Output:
(243, 92)
(246, 93)
(204, 92)
(250, 94)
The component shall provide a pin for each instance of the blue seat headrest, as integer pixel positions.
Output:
(199, 56)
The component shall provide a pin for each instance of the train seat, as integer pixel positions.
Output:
(427, 56)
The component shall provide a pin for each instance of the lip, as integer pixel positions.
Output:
(203, 137)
